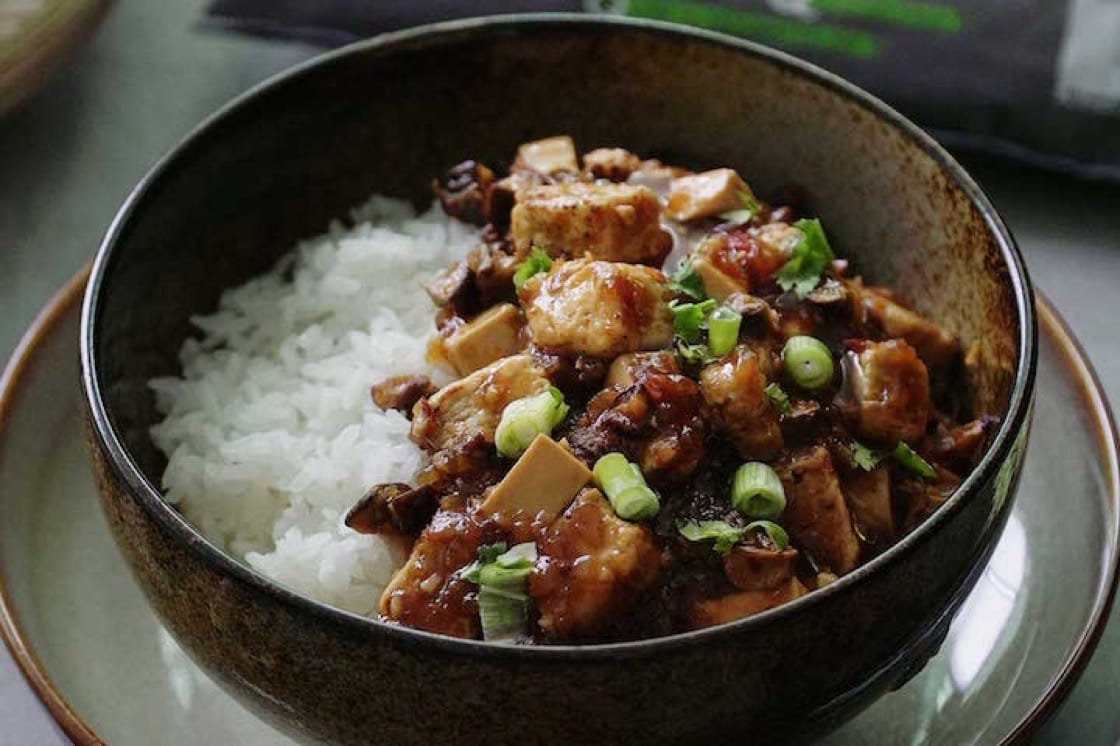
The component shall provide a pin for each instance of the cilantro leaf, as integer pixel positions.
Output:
(865, 458)
(538, 261)
(686, 282)
(688, 318)
(725, 535)
(777, 397)
(488, 553)
(811, 256)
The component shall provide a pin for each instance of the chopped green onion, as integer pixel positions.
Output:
(518, 556)
(810, 257)
(688, 318)
(504, 614)
(693, 354)
(723, 330)
(636, 503)
(757, 492)
(494, 574)
(687, 282)
(725, 535)
(613, 473)
(864, 457)
(626, 488)
(777, 397)
(501, 576)
(538, 261)
(525, 419)
(777, 535)
(909, 458)
(808, 361)
(741, 216)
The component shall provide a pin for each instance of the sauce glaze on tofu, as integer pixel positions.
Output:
(673, 407)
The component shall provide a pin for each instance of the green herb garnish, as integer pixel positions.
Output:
(693, 354)
(686, 282)
(909, 458)
(502, 577)
(810, 258)
(538, 261)
(864, 457)
(778, 397)
(867, 458)
(688, 318)
(725, 535)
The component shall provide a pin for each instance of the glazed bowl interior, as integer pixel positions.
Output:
(387, 116)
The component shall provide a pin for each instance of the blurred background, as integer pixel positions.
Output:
(1025, 92)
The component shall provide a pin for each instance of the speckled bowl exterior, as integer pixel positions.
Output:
(385, 115)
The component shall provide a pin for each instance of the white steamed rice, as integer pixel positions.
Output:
(271, 435)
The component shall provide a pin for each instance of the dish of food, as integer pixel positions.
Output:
(231, 511)
(653, 403)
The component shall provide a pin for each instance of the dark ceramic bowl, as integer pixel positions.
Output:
(384, 116)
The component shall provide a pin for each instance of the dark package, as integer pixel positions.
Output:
(1037, 80)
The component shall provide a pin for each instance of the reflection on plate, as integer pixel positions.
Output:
(74, 617)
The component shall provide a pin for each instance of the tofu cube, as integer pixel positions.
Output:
(886, 391)
(598, 309)
(816, 514)
(715, 263)
(615, 164)
(490, 336)
(548, 156)
(615, 222)
(708, 193)
(468, 411)
(545, 479)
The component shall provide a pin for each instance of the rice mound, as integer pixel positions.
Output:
(271, 435)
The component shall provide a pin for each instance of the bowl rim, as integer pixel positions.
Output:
(150, 497)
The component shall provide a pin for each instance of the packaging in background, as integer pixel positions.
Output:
(1036, 80)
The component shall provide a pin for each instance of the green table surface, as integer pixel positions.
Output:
(69, 157)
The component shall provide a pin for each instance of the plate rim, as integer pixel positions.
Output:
(1072, 355)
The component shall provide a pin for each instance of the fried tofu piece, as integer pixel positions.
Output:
(615, 164)
(628, 369)
(886, 391)
(544, 480)
(816, 515)
(427, 592)
(709, 612)
(936, 347)
(721, 276)
(599, 309)
(708, 193)
(734, 386)
(595, 566)
(548, 156)
(490, 336)
(869, 499)
(468, 410)
(614, 222)
(755, 569)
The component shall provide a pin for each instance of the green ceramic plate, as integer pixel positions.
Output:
(99, 659)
